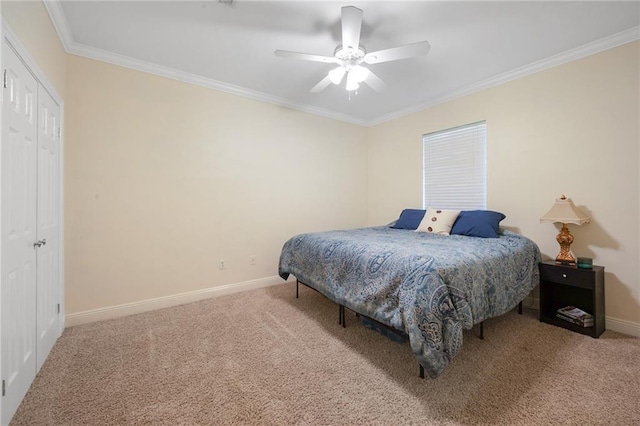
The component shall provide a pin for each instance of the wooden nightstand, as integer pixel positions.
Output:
(563, 285)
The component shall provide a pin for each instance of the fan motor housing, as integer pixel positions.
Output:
(350, 53)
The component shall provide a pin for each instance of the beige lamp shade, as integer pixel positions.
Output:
(564, 211)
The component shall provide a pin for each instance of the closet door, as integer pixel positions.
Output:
(17, 250)
(48, 208)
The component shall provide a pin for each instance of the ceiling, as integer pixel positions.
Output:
(230, 47)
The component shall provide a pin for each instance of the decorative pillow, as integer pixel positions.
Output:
(438, 221)
(478, 223)
(409, 219)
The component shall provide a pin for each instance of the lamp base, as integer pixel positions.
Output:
(564, 238)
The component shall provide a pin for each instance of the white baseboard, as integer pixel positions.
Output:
(622, 326)
(109, 312)
(125, 309)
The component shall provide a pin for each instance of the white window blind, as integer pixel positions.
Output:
(455, 168)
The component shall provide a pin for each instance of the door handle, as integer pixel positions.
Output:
(39, 243)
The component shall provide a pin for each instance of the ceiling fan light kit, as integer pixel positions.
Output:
(337, 74)
(360, 73)
(352, 83)
(350, 56)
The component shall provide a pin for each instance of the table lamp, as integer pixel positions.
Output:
(564, 211)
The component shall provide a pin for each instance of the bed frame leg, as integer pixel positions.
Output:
(344, 318)
(482, 330)
(520, 308)
(297, 282)
(421, 372)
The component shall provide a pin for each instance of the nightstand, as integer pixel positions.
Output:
(563, 285)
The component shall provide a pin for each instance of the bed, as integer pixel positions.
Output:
(426, 285)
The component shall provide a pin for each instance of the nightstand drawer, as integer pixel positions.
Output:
(568, 275)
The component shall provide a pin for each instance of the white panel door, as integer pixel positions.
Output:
(48, 208)
(17, 251)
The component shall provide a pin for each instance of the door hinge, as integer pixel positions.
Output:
(4, 79)
(59, 132)
(58, 308)
(4, 389)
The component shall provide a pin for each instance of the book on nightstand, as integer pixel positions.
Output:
(576, 316)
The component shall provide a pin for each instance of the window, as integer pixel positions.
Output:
(455, 168)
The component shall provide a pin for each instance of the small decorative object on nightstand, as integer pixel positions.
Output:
(564, 211)
(564, 286)
(585, 262)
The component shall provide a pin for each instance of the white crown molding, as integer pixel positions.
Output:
(59, 20)
(110, 312)
(162, 71)
(588, 49)
(54, 8)
(56, 13)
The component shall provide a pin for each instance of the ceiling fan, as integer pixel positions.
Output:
(351, 55)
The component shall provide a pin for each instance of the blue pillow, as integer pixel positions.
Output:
(478, 223)
(409, 219)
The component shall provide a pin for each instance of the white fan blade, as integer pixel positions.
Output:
(324, 83)
(351, 25)
(375, 82)
(401, 52)
(306, 56)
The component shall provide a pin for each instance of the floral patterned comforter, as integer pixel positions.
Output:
(429, 286)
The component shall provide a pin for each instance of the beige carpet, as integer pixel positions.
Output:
(265, 357)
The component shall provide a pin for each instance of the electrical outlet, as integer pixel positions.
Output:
(222, 265)
(252, 260)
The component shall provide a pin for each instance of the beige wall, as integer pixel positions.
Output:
(164, 179)
(32, 25)
(572, 130)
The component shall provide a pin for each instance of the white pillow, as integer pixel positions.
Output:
(438, 221)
